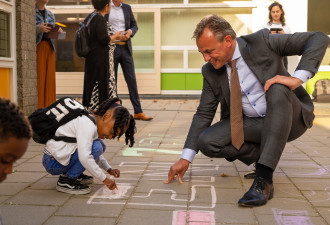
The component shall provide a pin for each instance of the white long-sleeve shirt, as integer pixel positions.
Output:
(85, 131)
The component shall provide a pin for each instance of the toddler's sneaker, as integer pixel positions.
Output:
(71, 186)
(85, 179)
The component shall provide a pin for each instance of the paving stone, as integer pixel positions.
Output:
(307, 184)
(36, 159)
(79, 207)
(158, 199)
(287, 191)
(26, 214)
(286, 204)
(318, 198)
(12, 188)
(232, 214)
(31, 167)
(24, 177)
(39, 197)
(146, 186)
(325, 213)
(69, 220)
(288, 218)
(45, 183)
(144, 217)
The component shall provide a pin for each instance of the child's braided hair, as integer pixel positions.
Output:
(13, 123)
(122, 119)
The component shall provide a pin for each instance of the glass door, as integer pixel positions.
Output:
(146, 52)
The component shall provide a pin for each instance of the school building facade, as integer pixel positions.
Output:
(166, 58)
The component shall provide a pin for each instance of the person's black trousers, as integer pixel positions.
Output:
(123, 57)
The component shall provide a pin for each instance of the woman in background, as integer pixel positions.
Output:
(98, 80)
(45, 20)
(276, 23)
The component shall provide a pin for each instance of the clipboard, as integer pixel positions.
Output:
(53, 33)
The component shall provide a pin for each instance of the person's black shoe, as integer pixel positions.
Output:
(85, 179)
(71, 186)
(260, 192)
(250, 175)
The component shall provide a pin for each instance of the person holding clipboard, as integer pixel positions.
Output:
(46, 32)
(277, 24)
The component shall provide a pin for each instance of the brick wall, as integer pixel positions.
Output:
(26, 56)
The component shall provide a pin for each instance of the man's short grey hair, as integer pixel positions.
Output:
(218, 25)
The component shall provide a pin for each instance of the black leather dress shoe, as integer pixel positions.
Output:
(260, 192)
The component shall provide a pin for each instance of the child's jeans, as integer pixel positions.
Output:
(74, 169)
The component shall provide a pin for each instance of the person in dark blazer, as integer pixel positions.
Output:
(122, 19)
(276, 108)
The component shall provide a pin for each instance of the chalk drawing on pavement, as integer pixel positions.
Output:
(193, 217)
(289, 217)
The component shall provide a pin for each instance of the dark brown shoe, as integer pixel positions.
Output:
(260, 192)
(142, 116)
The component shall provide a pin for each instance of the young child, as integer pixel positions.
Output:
(70, 160)
(15, 133)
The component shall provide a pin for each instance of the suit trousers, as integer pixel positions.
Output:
(265, 137)
(123, 57)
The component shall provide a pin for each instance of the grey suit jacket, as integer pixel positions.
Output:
(263, 53)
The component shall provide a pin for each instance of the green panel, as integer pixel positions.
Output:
(310, 85)
(194, 81)
(173, 81)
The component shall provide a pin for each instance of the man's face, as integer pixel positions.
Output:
(11, 150)
(216, 52)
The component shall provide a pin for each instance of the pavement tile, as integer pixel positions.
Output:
(158, 199)
(287, 191)
(39, 197)
(12, 188)
(286, 204)
(36, 159)
(232, 214)
(318, 198)
(144, 217)
(325, 213)
(30, 167)
(79, 207)
(45, 183)
(26, 214)
(146, 186)
(307, 184)
(69, 220)
(3, 198)
(24, 177)
(293, 218)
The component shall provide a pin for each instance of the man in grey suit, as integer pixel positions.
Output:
(276, 108)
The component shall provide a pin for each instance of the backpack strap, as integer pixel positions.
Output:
(90, 19)
(72, 139)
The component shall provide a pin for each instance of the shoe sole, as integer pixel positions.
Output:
(74, 191)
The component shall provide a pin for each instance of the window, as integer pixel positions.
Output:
(319, 21)
(4, 35)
